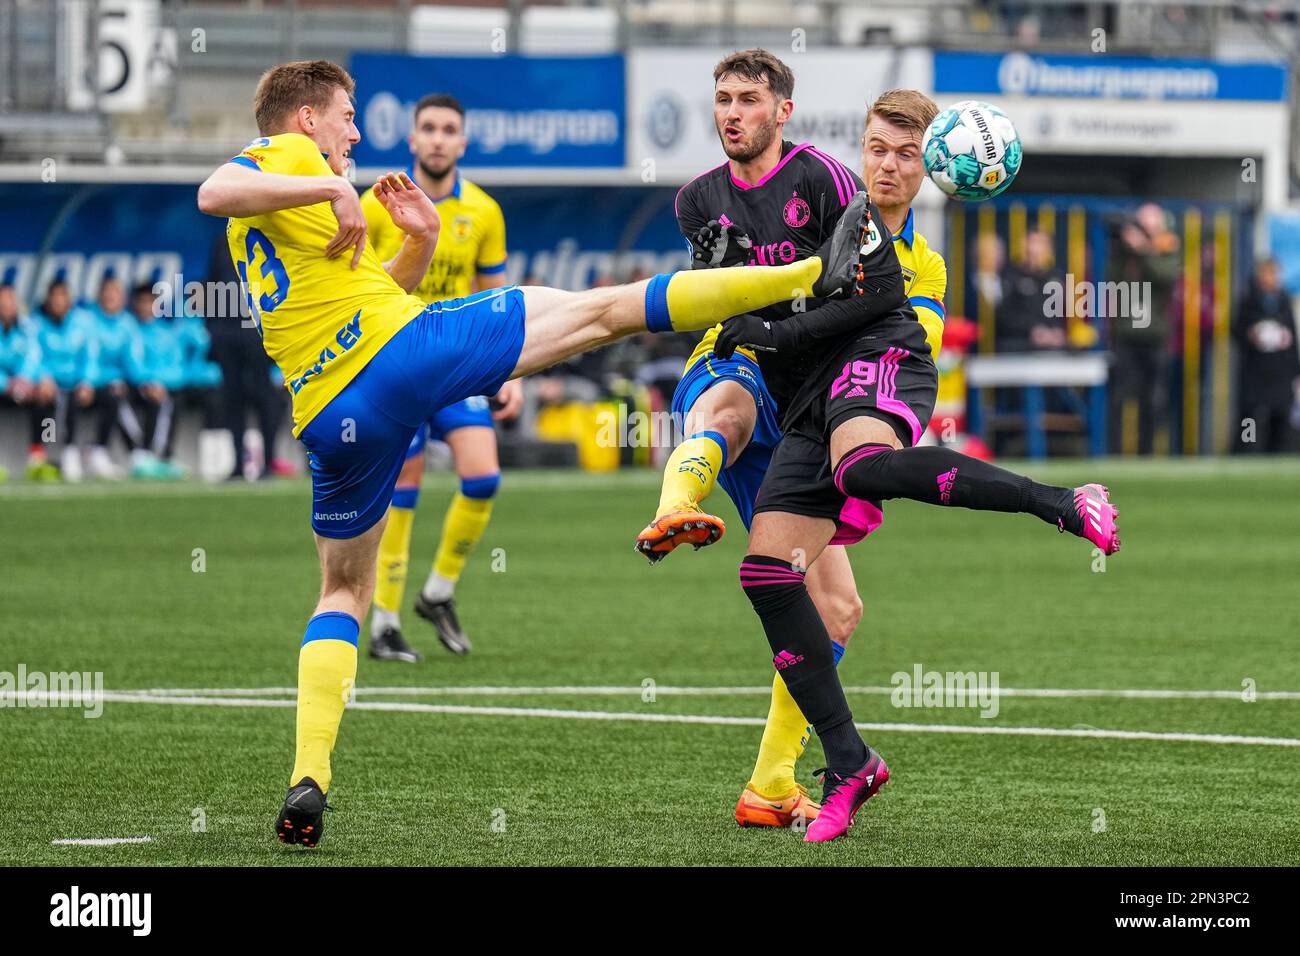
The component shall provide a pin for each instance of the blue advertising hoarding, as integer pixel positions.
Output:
(1106, 76)
(520, 110)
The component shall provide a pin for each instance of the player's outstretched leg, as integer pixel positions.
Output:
(803, 656)
(562, 324)
(941, 476)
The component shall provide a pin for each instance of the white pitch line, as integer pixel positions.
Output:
(670, 691)
(641, 717)
(101, 841)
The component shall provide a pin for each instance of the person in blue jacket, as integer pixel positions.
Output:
(156, 371)
(113, 334)
(22, 381)
(64, 343)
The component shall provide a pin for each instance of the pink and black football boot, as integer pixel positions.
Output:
(1098, 518)
(843, 795)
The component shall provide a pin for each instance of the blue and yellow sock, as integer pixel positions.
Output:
(395, 550)
(700, 299)
(327, 673)
(692, 472)
(785, 736)
(467, 518)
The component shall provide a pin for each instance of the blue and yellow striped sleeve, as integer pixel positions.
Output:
(926, 298)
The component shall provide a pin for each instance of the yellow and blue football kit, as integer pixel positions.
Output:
(367, 364)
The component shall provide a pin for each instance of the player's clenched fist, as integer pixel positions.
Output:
(410, 209)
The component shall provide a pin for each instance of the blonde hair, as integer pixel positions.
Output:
(909, 109)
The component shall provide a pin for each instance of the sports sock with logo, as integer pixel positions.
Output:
(327, 671)
(785, 735)
(467, 518)
(803, 656)
(941, 476)
(700, 299)
(692, 472)
(394, 555)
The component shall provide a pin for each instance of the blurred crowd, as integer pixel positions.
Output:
(121, 369)
(1146, 342)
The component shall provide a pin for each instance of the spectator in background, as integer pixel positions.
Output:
(113, 335)
(1265, 330)
(1023, 323)
(65, 357)
(22, 382)
(990, 254)
(245, 372)
(156, 370)
(1144, 251)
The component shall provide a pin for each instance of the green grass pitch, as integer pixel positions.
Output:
(1203, 596)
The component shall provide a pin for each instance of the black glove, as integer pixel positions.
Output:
(717, 245)
(755, 333)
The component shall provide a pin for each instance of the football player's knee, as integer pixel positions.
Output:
(481, 488)
(846, 614)
(732, 425)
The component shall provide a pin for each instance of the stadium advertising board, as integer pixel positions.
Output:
(521, 111)
(1106, 77)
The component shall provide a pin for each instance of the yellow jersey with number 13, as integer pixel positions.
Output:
(321, 320)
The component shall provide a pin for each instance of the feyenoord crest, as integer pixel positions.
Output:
(871, 237)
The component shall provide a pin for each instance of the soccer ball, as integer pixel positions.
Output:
(972, 151)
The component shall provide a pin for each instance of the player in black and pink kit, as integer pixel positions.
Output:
(850, 443)
(770, 203)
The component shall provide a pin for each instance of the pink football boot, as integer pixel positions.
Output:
(843, 795)
(1097, 517)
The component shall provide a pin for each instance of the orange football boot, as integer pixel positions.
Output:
(668, 531)
(755, 810)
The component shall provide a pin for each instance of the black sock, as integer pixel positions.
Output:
(941, 476)
(803, 656)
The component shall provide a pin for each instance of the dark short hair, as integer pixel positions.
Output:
(443, 100)
(142, 288)
(760, 66)
(286, 88)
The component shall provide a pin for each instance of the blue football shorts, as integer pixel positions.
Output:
(742, 480)
(451, 351)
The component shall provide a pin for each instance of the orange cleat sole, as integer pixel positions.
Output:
(670, 531)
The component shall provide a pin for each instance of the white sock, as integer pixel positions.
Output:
(438, 589)
(381, 619)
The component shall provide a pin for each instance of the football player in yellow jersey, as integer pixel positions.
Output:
(471, 257)
(367, 363)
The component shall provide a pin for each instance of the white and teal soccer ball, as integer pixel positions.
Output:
(972, 151)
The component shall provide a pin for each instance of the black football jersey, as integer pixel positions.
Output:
(788, 215)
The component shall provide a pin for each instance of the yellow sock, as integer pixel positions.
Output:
(691, 301)
(467, 519)
(784, 738)
(394, 557)
(327, 672)
(692, 472)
